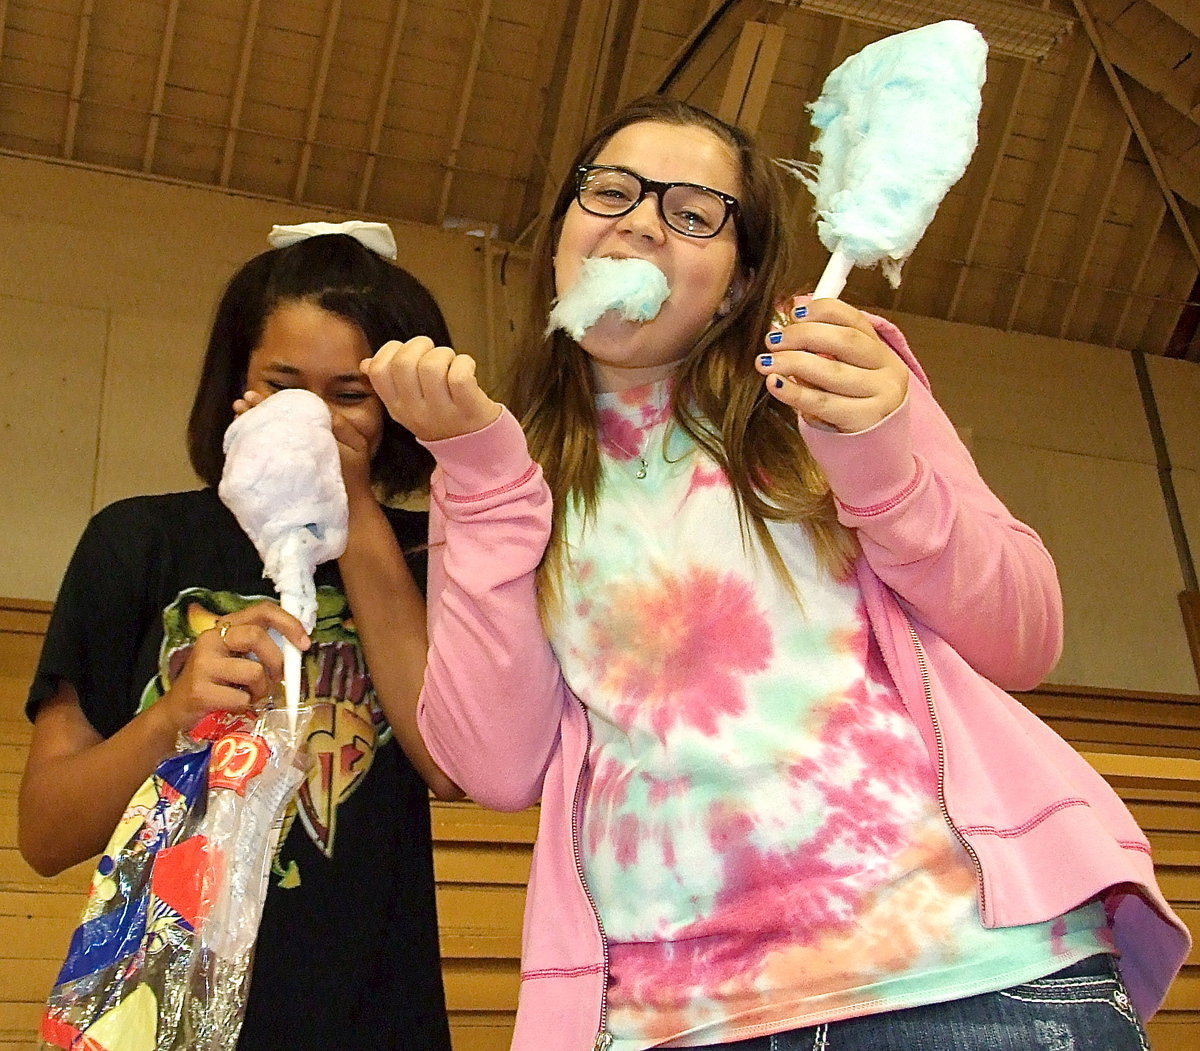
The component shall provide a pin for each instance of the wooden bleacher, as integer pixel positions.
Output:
(1146, 745)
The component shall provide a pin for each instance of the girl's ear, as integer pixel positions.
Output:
(733, 294)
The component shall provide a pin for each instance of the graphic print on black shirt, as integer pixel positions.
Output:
(348, 724)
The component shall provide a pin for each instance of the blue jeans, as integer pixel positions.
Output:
(1083, 1007)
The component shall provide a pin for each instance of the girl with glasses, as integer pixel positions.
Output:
(733, 603)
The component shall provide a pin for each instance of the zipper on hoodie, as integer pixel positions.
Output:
(604, 1038)
(927, 686)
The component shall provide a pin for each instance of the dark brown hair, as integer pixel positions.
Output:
(718, 397)
(338, 274)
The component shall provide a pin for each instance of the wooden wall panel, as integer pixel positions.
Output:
(60, 438)
(1147, 746)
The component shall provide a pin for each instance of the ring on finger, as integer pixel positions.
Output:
(223, 627)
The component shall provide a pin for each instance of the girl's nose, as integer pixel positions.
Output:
(644, 219)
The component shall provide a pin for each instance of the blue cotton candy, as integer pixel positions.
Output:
(636, 288)
(897, 126)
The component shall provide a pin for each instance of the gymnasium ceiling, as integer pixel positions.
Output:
(1079, 216)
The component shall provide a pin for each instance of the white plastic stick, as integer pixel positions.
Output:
(291, 664)
(833, 280)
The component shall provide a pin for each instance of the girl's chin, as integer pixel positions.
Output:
(611, 328)
(620, 366)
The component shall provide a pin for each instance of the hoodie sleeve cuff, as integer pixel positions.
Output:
(486, 461)
(869, 471)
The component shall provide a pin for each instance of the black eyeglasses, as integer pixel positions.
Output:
(686, 207)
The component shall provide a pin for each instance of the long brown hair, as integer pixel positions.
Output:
(718, 397)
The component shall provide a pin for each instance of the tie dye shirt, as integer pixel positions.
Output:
(761, 832)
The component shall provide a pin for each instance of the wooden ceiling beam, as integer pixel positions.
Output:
(530, 159)
(838, 33)
(720, 38)
(1043, 185)
(464, 107)
(583, 86)
(979, 184)
(160, 85)
(730, 12)
(835, 35)
(382, 99)
(604, 99)
(1183, 178)
(1140, 244)
(78, 72)
(1183, 12)
(238, 98)
(3, 23)
(317, 98)
(1148, 69)
(1088, 226)
(751, 74)
(625, 90)
(1139, 132)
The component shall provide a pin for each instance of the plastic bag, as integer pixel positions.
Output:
(162, 955)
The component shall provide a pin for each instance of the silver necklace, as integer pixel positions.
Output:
(643, 466)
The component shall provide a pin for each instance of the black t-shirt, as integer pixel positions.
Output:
(347, 953)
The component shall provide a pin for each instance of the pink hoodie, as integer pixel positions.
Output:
(963, 600)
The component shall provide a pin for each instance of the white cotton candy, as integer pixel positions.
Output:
(898, 125)
(634, 287)
(283, 482)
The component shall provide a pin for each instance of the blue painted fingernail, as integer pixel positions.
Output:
(774, 337)
(765, 360)
(778, 382)
(800, 312)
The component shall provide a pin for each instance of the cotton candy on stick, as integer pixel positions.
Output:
(898, 122)
(635, 288)
(283, 482)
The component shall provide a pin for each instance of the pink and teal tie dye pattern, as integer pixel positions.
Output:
(761, 830)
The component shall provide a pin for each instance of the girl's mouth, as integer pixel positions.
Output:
(634, 287)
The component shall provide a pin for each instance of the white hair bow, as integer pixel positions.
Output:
(377, 237)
